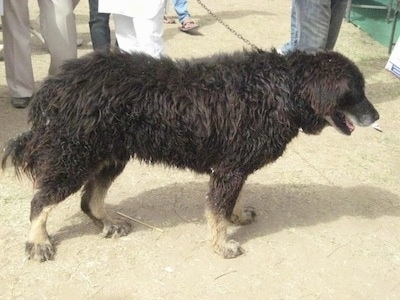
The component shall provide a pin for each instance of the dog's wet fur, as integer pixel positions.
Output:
(226, 115)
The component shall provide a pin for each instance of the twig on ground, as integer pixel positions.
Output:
(140, 222)
(234, 271)
(336, 249)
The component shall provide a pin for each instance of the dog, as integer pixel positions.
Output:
(225, 115)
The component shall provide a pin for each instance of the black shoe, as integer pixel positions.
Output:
(20, 102)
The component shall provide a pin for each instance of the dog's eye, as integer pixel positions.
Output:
(349, 99)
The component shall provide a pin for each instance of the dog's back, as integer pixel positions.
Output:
(189, 113)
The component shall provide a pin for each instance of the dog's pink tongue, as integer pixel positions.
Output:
(349, 125)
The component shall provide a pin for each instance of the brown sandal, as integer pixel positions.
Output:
(188, 25)
(168, 20)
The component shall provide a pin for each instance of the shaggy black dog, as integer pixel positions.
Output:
(226, 115)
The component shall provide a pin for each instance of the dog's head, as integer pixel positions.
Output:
(333, 86)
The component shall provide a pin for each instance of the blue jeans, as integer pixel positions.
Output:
(181, 8)
(315, 24)
(292, 44)
(99, 26)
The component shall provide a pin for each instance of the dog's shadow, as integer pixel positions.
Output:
(278, 207)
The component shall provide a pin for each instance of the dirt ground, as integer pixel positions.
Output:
(328, 211)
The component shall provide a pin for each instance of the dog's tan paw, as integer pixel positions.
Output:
(39, 252)
(116, 229)
(245, 217)
(232, 249)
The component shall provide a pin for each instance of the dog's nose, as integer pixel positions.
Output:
(371, 114)
(376, 115)
(369, 118)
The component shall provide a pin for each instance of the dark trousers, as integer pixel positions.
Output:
(99, 26)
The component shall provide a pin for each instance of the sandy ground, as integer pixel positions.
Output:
(328, 224)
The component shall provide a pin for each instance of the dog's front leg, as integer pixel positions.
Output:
(242, 215)
(224, 191)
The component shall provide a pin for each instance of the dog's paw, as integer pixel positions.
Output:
(116, 229)
(39, 252)
(231, 249)
(246, 216)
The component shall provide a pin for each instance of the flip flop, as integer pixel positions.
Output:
(168, 20)
(188, 25)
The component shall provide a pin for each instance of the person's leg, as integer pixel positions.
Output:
(338, 10)
(140, 35)
(125, 33)
(17, 48)
(293, 26)
(74, 3)
(181, 9)
(313, 20)
(291, 45)
(149, 34)
(99, 26)
(57, 21)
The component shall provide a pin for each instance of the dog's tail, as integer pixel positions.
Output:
(15, 149)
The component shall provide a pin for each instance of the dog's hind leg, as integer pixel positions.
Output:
(224, 191)
(92, 202)
(242, 215)
(39, 246)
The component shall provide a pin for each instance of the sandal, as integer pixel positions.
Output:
(168, 20)
(188, 25)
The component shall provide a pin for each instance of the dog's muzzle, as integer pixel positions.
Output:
(361, 114)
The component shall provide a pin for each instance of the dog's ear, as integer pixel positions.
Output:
(325, 92)
(324, 78)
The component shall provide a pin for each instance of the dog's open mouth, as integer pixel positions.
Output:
(341, 122)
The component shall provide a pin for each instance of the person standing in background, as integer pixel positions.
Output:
(17, 52)
(1, 14)
(99, 25)
(59, 32)
(181, 9)
(1, 45)
(138, 24)
(315, 25)
(58, 27)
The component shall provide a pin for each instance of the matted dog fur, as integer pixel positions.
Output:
(226, 115)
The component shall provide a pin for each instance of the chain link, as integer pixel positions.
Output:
(218, 19)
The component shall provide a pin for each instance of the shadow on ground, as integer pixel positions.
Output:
(278, 207)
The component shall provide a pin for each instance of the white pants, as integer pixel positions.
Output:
(17, 48)
(139, 34)
(58, 27)
(58, 30)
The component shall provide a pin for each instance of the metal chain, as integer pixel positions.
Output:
(218, 19)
